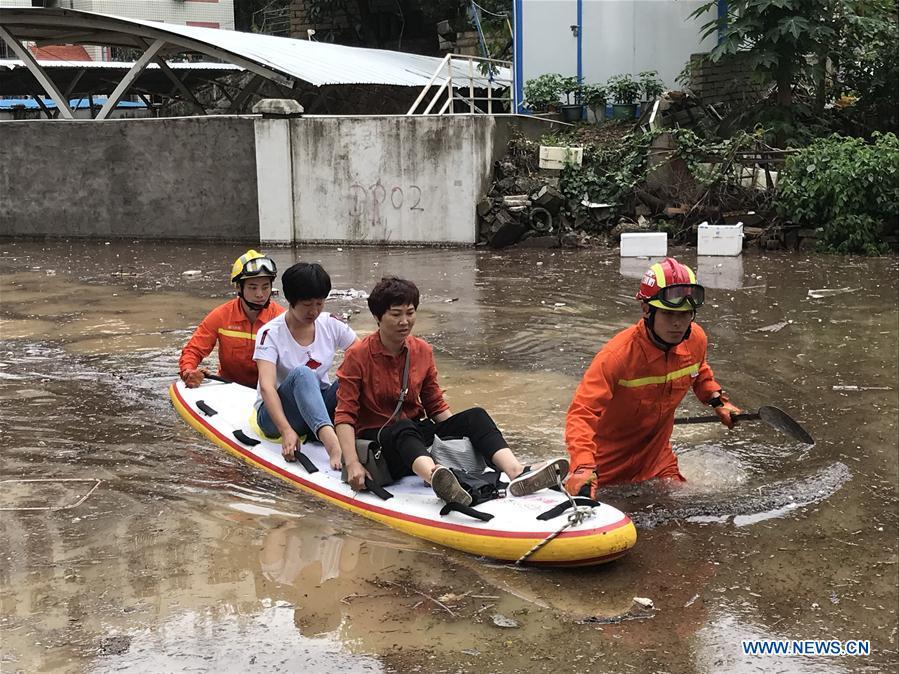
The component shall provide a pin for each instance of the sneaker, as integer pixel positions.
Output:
(534, 479)
(447, 487)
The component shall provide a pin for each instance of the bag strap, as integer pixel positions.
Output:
(377, 489)
(465, 510)
(404, 389)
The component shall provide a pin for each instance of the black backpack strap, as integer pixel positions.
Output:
(377, 489)
(565, 505)
(245, 439)
(465, 510)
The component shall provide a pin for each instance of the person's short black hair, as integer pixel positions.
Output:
(391, 292)
(305, 281)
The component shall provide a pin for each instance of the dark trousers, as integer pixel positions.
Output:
(408, 439)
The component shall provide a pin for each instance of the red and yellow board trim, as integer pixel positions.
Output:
(584, 547)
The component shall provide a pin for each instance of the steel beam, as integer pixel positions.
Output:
(179, 85)
(239, 101)
(43, 79)
(130, 78)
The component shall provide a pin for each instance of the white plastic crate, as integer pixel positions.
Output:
(644, 244)
(719, 239)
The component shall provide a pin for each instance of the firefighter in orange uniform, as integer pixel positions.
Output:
(618, 427)
(233, 325)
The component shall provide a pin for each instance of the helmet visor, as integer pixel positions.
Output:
(677, 295)
(259, 266)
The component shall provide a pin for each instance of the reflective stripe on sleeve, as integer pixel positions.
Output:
(660, 379)
(236, 333)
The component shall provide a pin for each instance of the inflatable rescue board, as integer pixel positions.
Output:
(540, 529)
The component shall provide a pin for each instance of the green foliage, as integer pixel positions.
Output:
(805, 48)
(595, 95)
(870, 72)
(848, 187)
(612, 172)
(543, 91)
(624, 89)
(650, 84)
(570, 86)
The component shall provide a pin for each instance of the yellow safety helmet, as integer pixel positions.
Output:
(252, 264)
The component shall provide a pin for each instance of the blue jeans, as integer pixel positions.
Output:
(306, 404)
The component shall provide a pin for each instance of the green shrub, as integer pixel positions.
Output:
(543, 91)
(846, 186)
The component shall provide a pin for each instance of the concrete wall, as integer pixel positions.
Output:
(190, 177)
(385, 179)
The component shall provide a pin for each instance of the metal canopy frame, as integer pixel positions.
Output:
(72, 27)
(289, 64)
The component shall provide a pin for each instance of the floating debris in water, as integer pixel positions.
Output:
(502, 621)
(775, 327)
(821, 293)
(350, 294)
(850, 387)
(640, 609)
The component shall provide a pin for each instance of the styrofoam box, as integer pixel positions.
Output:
(720, 239)
(552, 157)
(644, 244)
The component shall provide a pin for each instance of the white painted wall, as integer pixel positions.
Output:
(169, 11)
(384, 179)
(619, 36)
(274, 180)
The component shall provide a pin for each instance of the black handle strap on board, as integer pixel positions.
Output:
(245, 439)
(465, 510)
(206, 409)
(377, 489)
(565, 505)
(305, 461)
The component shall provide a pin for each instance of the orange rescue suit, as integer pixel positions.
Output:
(230, 327)
(622, 415)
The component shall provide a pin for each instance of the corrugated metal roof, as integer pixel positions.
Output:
(318, 63)
(323, 63)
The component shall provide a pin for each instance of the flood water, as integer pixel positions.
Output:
(181, 558)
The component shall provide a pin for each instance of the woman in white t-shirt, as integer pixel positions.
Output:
(293, 354)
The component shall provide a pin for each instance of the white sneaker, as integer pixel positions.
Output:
(534, 479)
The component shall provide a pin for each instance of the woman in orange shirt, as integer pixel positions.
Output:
(367, 406)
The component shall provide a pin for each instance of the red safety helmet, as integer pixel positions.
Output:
(672, 286)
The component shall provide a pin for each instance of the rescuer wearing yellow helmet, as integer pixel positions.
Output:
(234, 324)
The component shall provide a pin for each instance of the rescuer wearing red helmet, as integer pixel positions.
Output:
(618, 427)
(234, 324)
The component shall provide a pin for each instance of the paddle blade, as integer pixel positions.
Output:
(777, 418)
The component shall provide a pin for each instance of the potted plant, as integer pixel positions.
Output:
(542, 93)
(573, 110)
(624, 90)
(651, 86)
(595, 97)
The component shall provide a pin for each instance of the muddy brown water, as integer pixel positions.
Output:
(184, 559)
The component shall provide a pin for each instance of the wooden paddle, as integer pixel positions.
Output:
(773, 416)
